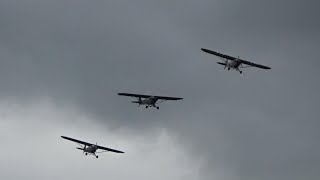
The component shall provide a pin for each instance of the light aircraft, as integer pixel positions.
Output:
(89, 148)
(234, 63)
(148, 100)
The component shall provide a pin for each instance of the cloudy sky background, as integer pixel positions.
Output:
(62, 63)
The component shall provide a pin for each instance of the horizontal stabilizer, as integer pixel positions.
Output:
(80, 148)
(221, 63)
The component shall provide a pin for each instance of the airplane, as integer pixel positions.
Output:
(234, 63)
(89, 148)
(148, 100)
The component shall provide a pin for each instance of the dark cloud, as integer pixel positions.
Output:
(262, 124)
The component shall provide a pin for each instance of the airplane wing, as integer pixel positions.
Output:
(218, 54)
(168, 98)
(233, 58)
(109, 149)
(77, 141)
(253, 64)
(89, 144)
(147, 96)
(134, 95)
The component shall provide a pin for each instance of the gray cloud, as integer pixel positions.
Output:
(262, 124)
(33, 149)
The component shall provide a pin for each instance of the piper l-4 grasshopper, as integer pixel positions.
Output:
(149, 100)
(234, 63)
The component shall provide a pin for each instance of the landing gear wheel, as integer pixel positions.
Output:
(228, 69)
(147, 107)
(240, 72)
(157, 107)
(97, 156)
(86, 153)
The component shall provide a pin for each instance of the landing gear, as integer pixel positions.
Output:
(228, 68)
(240, 72)
(147, 107)
(154, 105)
(86, 153)
(97, 156)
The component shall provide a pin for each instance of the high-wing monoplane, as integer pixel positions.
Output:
(234, 63)
(148, 100)
(89, 148)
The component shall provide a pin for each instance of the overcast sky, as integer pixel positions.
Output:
(62, 64)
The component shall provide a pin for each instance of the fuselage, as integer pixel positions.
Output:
(147, 101)
(233, 64)
(90, 149)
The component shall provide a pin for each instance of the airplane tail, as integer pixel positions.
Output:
(221, 63)
(138, 101)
